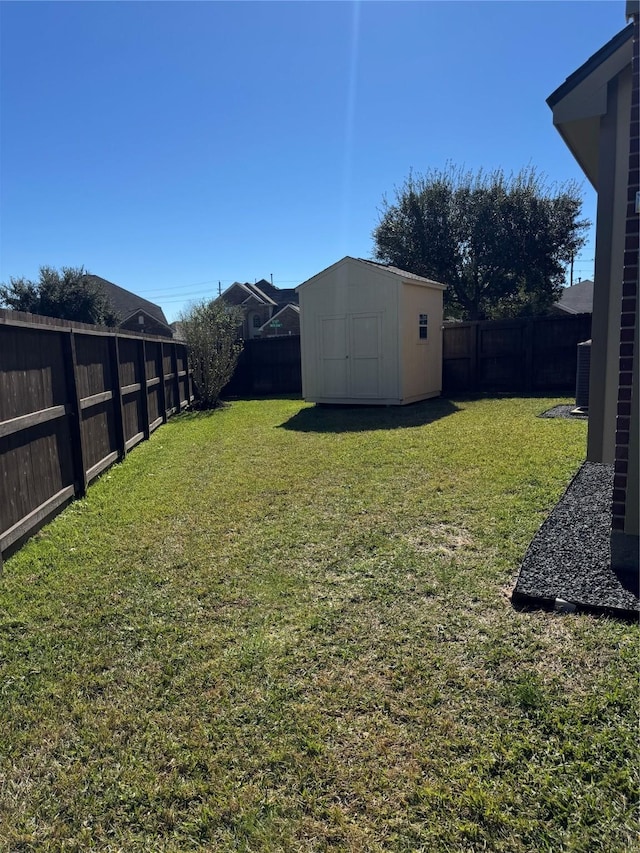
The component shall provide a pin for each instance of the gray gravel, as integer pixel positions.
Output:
(564, 411)
(570, 557)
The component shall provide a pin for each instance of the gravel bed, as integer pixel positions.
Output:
(569, 559)
(564, 411)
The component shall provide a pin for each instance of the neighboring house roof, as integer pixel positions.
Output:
(281, 296)
(577, 299)
(262, 293)
(389, 268)
(288, 307)
(125, 303)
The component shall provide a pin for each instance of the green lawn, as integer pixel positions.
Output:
(282, 628)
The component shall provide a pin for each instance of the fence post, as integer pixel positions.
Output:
(75, 424)
(189, 376)
(144, 391)
(118, 409)
(163, 389)
(176, 378)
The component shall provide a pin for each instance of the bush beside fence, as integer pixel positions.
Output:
(74, 399)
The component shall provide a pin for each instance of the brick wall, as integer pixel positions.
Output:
(629, 307)
(287, 323)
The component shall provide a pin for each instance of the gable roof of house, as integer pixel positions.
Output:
(280, 295)
(125, 303)
(577, 299)
(264, 292)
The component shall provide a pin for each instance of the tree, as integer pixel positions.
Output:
(67, 294)
(500, 243)
(211, 332)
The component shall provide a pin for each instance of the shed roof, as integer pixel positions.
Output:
(405, 275)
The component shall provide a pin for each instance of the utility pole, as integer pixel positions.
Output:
(571, 274)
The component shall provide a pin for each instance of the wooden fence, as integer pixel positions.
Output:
(267, 366)
(526, 355)
(523, 355)
(74, 399)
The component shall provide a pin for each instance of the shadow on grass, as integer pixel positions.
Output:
(345, 418)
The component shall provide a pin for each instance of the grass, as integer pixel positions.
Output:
(282, 628)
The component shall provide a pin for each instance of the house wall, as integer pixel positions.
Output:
(625, 537)
(289, 325)
(421, 360)
(610, 230)
(262, 312)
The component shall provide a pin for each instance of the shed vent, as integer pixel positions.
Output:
(582, 376)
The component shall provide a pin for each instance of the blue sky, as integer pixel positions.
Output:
(168, 146)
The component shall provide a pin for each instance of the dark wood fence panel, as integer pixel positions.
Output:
(555, 350)
(182, 364)
(530, 355)
(155, 386)
(267, 366)
(170, 379)
(96, 388)
(32, 372)
(132, 389)
(73, 400)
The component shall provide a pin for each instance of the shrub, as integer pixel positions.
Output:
(210, 329)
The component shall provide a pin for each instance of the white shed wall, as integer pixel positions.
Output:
(421, 359)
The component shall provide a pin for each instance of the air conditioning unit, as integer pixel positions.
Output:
(583, 371)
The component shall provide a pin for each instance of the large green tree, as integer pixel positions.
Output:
(210, 329)
(66, 294)
(501, 243)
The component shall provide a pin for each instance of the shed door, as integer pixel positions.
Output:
(334, 356)
(365, 355)
(350, 356)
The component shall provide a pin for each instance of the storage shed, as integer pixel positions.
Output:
(370, 334)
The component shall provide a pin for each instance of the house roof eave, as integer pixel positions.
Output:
(588, 67)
